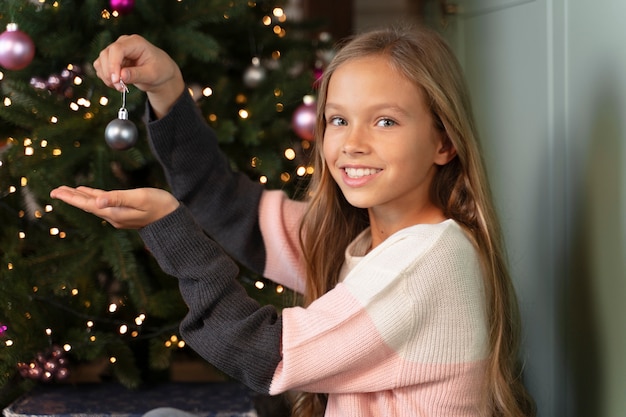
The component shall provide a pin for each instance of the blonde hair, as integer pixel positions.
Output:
(460, 188)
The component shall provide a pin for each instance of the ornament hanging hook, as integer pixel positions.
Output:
(124, 91)
(123, 113)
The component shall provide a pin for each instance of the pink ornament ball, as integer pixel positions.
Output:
(304, 120)
(38, 83)
(122, 6)
(23, 369)
(56, 351)
(17, 49)
(317, 74)
(62, 374)
(35, 372)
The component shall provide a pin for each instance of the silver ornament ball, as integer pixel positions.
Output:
(255, 74)
(121, 134)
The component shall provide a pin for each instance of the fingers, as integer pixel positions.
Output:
(97, 202)
(128, 209)
(110, 199)
(119, 61)
(117, 198)
(81, 198)
(134, 60)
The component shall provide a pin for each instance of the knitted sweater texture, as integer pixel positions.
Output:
(403, 334)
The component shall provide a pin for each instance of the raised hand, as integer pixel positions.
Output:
(134, 60)
(124, 209)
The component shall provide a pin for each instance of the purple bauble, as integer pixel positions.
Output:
(122, 6)
(38, 83)
(56, 351)
(62, 374)
(303, 121)
(23, 369)
(16, 48)
(54, 82)
(50, 366)
(35, 372)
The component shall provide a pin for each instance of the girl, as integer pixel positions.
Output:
(409, 309)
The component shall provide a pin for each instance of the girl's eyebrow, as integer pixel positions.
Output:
(393, 107)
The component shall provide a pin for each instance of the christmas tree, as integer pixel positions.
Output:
(72, 288)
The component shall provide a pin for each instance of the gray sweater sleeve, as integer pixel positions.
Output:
(223, 202)
(225, 326)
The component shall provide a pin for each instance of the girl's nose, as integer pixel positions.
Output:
(355, 141)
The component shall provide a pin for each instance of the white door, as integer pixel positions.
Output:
(548, 79)
(507, 50)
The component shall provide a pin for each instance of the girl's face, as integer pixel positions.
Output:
(380, 143)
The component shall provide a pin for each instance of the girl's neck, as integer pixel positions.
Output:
(381, 227)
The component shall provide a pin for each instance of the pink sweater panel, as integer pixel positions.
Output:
(404, 333)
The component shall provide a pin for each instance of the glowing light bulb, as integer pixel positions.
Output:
(290, 154)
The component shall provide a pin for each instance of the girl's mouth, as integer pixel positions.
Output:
(360, 172)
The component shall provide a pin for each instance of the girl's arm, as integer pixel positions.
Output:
(384, 327)
(256, 227)
(226, 204)
(410, 314)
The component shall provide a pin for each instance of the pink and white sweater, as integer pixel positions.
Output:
(403, 334)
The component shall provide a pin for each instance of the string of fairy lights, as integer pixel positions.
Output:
(52, 365)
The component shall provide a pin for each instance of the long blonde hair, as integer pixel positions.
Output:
(460, 188)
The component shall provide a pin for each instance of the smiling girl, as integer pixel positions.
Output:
(409, 308)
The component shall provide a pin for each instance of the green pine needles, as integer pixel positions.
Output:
(70, 281)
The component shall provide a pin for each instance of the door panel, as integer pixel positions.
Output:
(506, 50)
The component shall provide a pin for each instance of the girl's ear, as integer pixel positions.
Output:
(446, 151)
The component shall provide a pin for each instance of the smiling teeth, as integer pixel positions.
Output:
(360, 172)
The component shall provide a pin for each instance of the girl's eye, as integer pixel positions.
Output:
(385, 123)
(337, 121)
